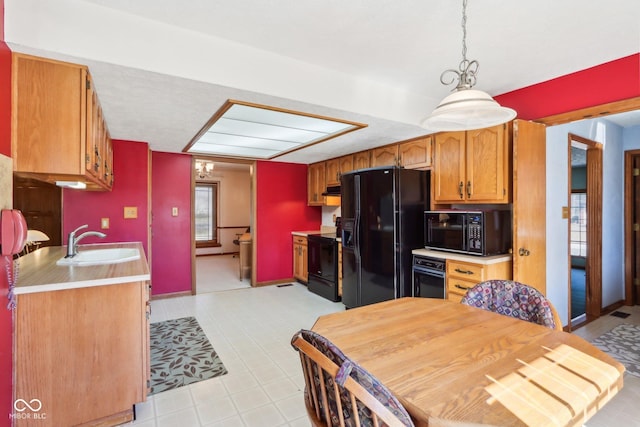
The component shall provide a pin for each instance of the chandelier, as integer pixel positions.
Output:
(203, 169)
(466, 108)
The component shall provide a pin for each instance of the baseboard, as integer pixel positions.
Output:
(220, 254)
(172, 295)
(274, 282)
(612, 307)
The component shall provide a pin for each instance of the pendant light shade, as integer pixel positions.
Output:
(467, 109)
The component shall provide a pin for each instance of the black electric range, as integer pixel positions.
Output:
(323, 265)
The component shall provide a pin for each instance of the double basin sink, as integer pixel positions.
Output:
(101, 256)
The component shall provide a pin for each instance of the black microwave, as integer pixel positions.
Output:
(475, 232)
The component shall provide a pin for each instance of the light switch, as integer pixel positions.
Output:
(104, 223)
(130, 212)
(174, 211)
(565, 212)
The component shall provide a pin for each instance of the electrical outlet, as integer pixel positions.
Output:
(104, 223)
(174, 211)
(130, 212)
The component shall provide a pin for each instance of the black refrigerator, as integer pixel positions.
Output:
(382, 222)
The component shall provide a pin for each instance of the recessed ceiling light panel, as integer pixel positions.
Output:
(254, 131)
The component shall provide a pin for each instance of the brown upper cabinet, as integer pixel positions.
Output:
(58, 130)
(316, 184)
(346, 164)
(332, 170)
(472, 166)
(336, 167)
(362, 160)
(384, 156)
(416, 154)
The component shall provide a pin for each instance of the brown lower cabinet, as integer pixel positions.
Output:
(300, 263)
(81, 355)
(462, 276)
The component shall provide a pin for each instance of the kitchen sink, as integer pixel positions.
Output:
(101, 256)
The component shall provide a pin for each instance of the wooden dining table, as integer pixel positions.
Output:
(451, 364)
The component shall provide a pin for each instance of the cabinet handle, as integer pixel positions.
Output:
(465, 288)
(468, 188)
(457, 270)
(460, 187)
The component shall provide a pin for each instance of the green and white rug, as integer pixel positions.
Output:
(623, 344)
(181, 354)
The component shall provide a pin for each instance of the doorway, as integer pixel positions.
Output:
(585, 229)
(632, 226)
(221, 201)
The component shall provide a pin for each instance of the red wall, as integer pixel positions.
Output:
(6, 366)
(5, 99)
(130, 188)
(608, 82)
(171, 239)
(281, 195)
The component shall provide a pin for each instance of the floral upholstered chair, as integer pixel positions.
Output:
(513, 299)
(339, 392)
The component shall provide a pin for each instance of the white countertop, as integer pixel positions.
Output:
(485, 260)
(38, 272)
(305, 233)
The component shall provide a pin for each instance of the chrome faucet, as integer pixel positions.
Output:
(72, 241)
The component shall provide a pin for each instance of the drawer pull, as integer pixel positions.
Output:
(462, 287)
(457, 270)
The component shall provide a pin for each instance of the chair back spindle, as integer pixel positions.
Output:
(339, 392)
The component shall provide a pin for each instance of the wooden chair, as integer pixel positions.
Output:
(514, 299)
(339, 392)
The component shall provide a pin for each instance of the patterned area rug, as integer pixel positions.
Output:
(181, 354)
(623, 344)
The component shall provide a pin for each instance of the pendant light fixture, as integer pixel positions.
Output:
(466, 108)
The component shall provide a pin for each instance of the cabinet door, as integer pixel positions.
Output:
(449, 167)
(108, 172)
(416, 154)
(384, 156)
(49, 116)
(305, 264)
(487, 165)
(346, 164)
(529, 201)
(92, 138)
(93, 347)
(362, 160)
(332, 172)
(300, 258)
(297, 260)
(315, 184)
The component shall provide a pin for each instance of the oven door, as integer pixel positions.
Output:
(428, 283)
(322, 257)
(323, 267)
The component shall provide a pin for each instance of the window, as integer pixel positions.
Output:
(206, 218)
(578, 239)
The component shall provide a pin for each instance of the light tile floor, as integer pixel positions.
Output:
(251, 330)
(216, 273)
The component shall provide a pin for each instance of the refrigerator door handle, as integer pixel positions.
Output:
(356, 236)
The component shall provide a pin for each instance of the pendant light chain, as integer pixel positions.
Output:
(464, 30)
(467, 70)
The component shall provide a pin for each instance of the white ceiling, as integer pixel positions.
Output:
(163, 68)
